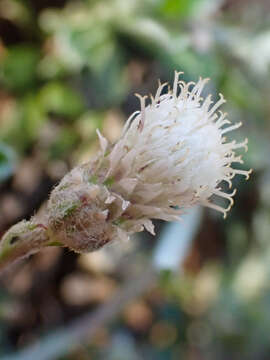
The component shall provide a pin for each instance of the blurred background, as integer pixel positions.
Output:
(69, 67)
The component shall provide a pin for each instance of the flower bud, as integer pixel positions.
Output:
(77, 214)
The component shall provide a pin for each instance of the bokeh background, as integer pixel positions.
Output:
(69, 67)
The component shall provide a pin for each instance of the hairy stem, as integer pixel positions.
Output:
(21, 240)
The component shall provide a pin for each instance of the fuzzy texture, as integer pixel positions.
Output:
(172, 154)
(21, 240)
(78, 214)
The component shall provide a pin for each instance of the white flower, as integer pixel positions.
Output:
(173, 154)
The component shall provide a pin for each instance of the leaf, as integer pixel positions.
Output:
(19, 67)
(65, 142)
(60, 99)
(177, 7)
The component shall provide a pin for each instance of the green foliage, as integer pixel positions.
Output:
(64, 143)
(61, 100)
(177, 8)
(19, 68)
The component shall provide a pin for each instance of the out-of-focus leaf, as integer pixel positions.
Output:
(77, 43)
(109, 85)
(237, 86)
(92, 45)
(177, 8)
(60, 99)
(32, 116)
(19, 67)
(26, 124)
(7, 161)
(196, 64)
(258, 146)
(150, 35)
(64, 143)
(87, 124)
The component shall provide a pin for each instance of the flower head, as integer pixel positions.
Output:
(172, 154)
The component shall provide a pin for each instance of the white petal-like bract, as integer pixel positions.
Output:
(175, 152)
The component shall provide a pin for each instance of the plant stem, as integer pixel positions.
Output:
(21, 240)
